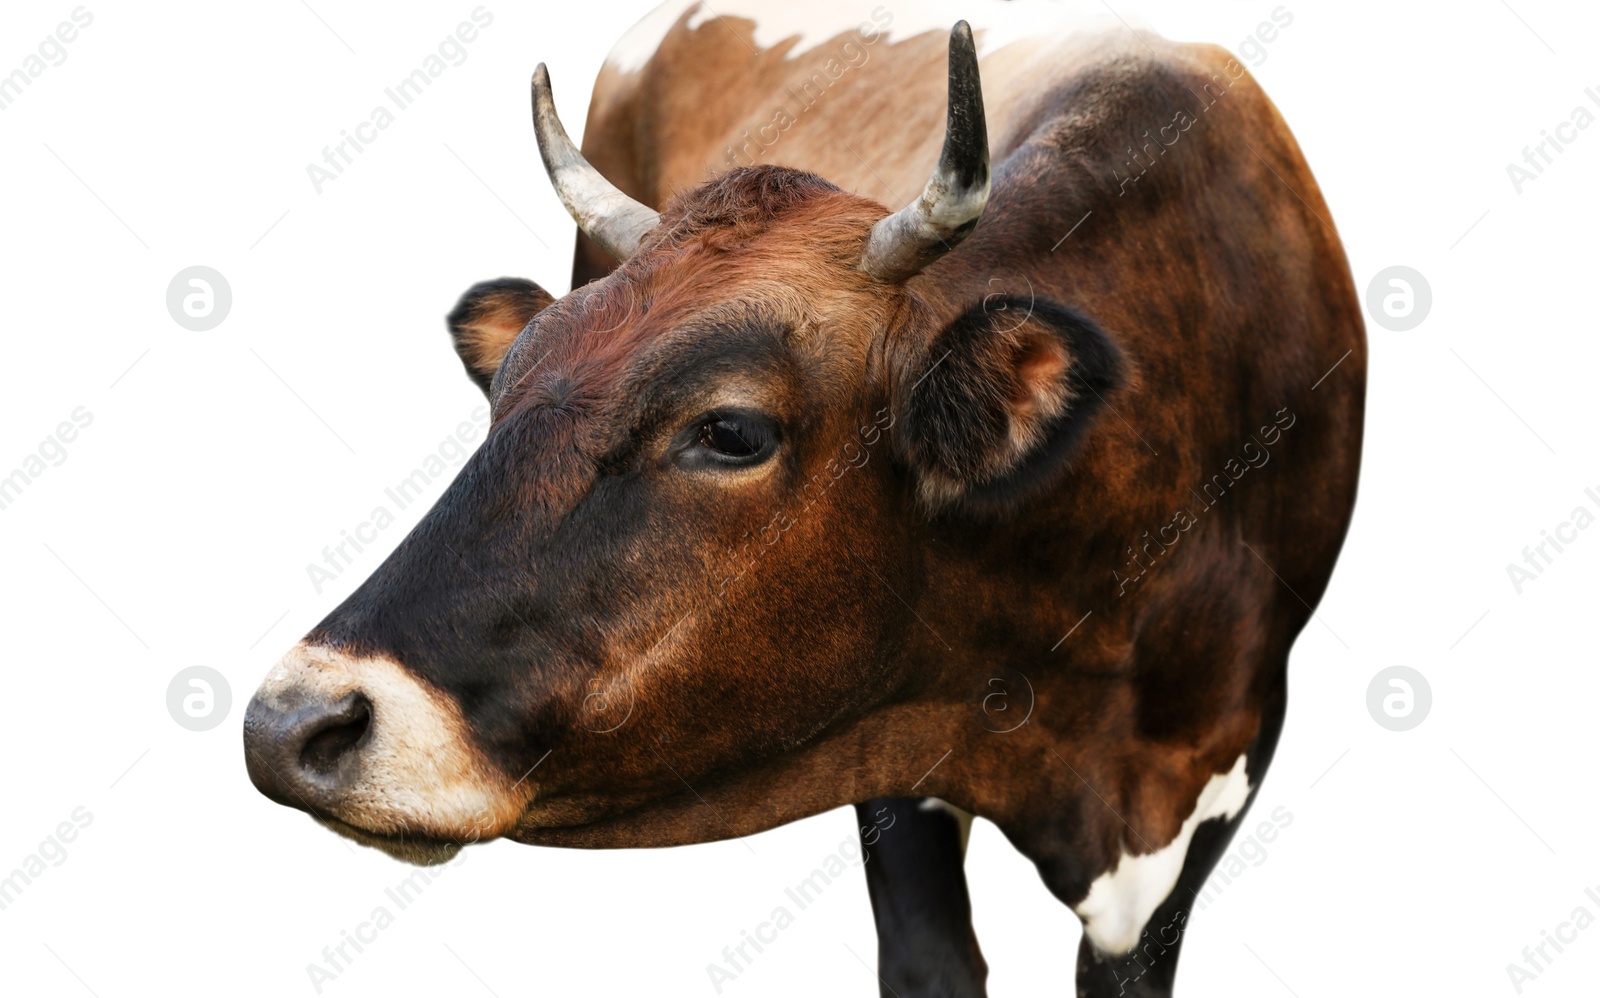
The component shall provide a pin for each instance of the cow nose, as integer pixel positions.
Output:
(304, 753)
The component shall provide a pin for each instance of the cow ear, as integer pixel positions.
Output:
(488, 318)
(994, 408)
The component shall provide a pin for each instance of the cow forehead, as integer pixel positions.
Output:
(751, 253)
(750, 358)
(624, 345)
(616, 341)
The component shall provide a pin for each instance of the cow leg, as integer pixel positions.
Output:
(1147, 970)
(915, 847)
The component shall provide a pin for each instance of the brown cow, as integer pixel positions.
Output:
(804, 504)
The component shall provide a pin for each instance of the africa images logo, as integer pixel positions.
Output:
(1255, 453)
(1538, 557)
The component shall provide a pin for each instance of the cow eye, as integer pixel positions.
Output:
(731, 439)
(727, 437)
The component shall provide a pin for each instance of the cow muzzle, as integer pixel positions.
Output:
(376, 755)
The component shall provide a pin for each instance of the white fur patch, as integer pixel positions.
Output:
(1122, 899)
(996, 22)
(419, 773)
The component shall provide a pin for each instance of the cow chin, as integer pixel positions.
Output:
(413, 850)
(376, 755)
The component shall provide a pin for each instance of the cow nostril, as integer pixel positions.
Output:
(337, 734)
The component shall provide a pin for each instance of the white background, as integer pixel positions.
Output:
(218, 464)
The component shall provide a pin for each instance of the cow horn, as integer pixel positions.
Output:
(951, 203)
(613, 220)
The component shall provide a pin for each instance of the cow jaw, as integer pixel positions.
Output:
(404, 778)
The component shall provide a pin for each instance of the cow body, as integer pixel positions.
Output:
(1197, 237)
(1087, 647)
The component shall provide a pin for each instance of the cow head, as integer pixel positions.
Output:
(683, 547)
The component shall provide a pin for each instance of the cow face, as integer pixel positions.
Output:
(688, 542)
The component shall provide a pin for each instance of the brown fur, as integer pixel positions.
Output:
(1145, 279)
(767, 680)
